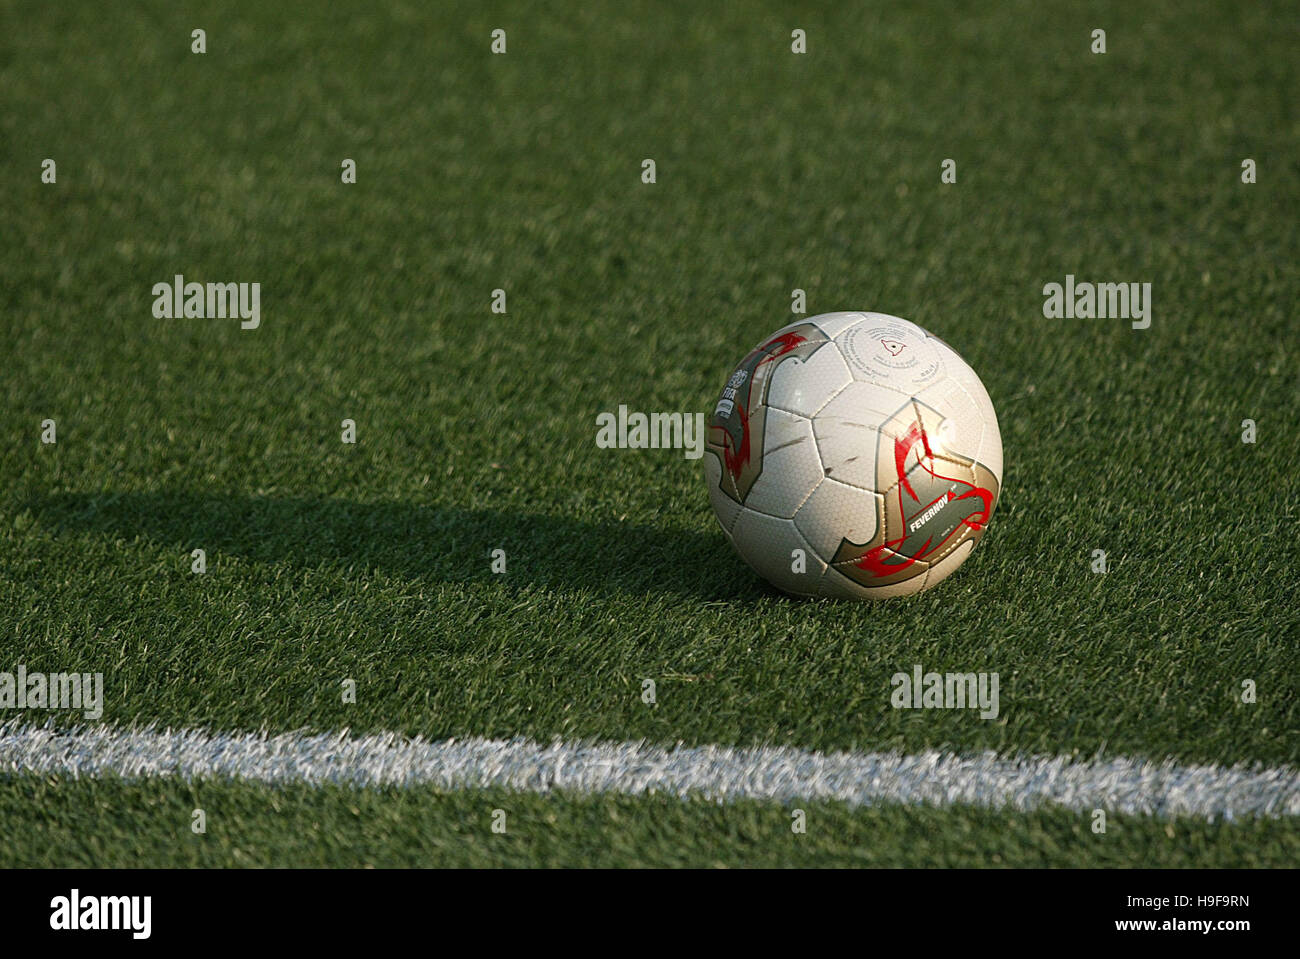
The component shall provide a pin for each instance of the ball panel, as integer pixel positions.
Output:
(891, 352)
(848, 433)
(834, 512)
(767, 544)
(877, 317)
(725, 508)
(977, 405)
(926, 516)
(738, 430)
(832, 324)
(990, 454)
(804, 386)
(791, 468)
(951, 419)
(835, 585)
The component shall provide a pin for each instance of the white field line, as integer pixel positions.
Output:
(719, 773)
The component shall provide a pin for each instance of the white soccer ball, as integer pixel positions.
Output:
(855, 456)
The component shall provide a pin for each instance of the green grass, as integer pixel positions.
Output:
(476, 431)
(90, 822)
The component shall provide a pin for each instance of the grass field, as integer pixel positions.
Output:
(476, 431)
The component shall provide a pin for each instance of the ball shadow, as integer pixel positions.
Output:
(415, 542)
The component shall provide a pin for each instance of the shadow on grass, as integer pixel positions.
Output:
(430, 544)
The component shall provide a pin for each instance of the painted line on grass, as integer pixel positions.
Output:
(721, 773)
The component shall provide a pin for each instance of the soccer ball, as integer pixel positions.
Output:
(855, 456)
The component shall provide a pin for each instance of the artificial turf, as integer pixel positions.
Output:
(92, 823)
(476, 430)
